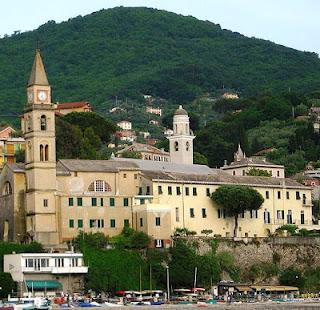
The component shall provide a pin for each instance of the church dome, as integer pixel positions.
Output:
(181, 111)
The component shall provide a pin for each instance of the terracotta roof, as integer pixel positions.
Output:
(70, 105)
(140, 147)
(181, 111)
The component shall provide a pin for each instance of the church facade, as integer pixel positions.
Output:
(51, 201)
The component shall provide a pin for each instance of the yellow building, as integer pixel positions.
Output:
(51, 201)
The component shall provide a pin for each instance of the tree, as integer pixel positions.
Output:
(131, 154)
(259, 173)
(236, 199)
(199, 159)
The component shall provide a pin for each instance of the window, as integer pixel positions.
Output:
(126, 223)
(157, 221)
(101, 202)
(278, 173)
(176, 146)
(288, 195)
(169, 190)
(148, 190)
(43, 122)
(141, 222)
(111, 202)
(41, 153)
(70, 202)
(177, 215)
(194, 191)
(267, 195)
(221, 213)
(187, 146)
(279, 195)
(204, 213)
(125, 202)
(302, 217)
(243, 172)
(208, 192)
(45, 202)
(140, 191)
(71, 223)
(74, 262)
(135, 176)
(241, 215)
(178, 189)
(160, 190)
(187, 191)
(80, 223)
(112, 223)
(191, 212)
(142, 201)
(266, 217)
(94, 202)
(99, 186)
(124, 175)
(289, 217)
(79, 201)
(298, 196)
(304, 199)
(233, 173)
(30, 262)
(96, 223)
(46, 152)
(7, 190)
(254, 214)
(280, 214)
(59, 262)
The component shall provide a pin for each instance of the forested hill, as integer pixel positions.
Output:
(127, 52)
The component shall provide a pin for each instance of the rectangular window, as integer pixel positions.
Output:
(208, 192)
(45, 202)
(254, 214)
(140, 191)
(304, 199)
(219, 214)
(204, 213)
(80, 223)
(302, 217)
(187, 191)
(101, 223)
(142, 201)
(135, 176)
(279, 195)
(101, 202)
(125, 202)
(111, 202)
(141, 222)
(79, 201)
(148, 190)
(289, 217)
(280, 214)
(160, 190)
(177, 215)
(267, 195)
(124, 175)
(71, 223)
(169, 190)
(112, 223)
(288, 195)
(178, 189)
(94, 202)
(298, 196)
(157, 221)
(92, 223)
(194, 191)
(70, 202)
(191, 212)
(126, 223)
(266, 217)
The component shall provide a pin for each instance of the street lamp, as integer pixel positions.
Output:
(168, 283)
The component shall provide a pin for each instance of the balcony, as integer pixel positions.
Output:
(56, 270)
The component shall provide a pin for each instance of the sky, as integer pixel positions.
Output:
(293, 23)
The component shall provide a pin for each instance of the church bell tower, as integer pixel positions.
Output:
(38, 126)
(181, 142)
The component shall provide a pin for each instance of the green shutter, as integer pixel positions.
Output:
(112, 202)
(71, 223)
(70, 202)
(126, 202)
(80, 223)
(126, 223)
(112, 223)
(94, 202)
(79, 201)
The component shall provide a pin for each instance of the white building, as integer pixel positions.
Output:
(168, 132)
(125, 125)
(46, 273)
(153, 110)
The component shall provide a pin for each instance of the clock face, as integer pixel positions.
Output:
(30, 96)
(42, 95)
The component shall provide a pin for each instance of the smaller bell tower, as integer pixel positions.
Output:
(181, 142)
(38, 127)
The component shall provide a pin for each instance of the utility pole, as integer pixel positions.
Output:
(168, 284)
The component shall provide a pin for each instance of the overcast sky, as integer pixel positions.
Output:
(293, 23)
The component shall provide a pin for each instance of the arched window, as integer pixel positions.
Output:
(41, 153)
(176, 146)
(43, 122)
(7, 189)
(99, 186)
(187, 146)
(46, 152)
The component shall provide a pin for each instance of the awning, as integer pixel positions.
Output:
(275, 288)
(43, 284)
(243, 288)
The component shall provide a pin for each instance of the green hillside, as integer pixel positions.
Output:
(126, 52)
